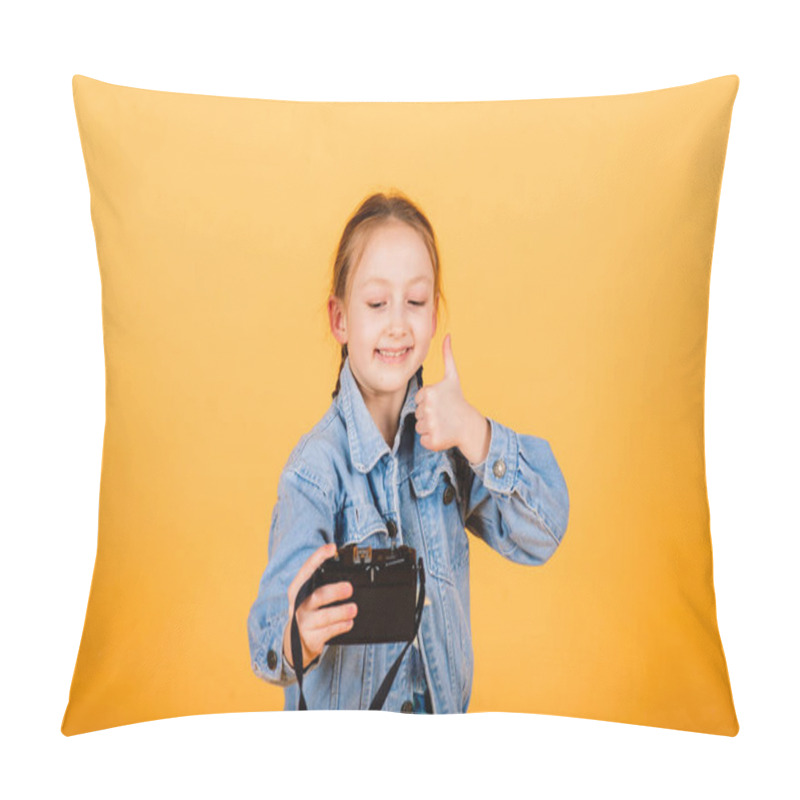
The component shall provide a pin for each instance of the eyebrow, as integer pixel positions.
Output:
(418, 279)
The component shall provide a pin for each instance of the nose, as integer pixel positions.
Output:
(397, 319)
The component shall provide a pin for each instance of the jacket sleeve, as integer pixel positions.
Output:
(516, 500)
(302, 521)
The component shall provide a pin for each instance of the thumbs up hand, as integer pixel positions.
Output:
(444, 417)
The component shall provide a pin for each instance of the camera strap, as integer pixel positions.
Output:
(297, 649)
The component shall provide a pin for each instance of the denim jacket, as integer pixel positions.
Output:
(342, 483)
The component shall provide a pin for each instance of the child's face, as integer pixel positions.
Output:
(391, 307)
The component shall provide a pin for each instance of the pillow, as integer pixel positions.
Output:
(576, 238)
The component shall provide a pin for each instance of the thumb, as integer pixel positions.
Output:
(450, 370)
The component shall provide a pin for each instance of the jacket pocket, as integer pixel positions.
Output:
(361, 524)
(440, 505)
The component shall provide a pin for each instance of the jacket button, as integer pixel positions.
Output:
(272, 659)
(499, 468)
(407, 707)
(391, 528)
(449, 494)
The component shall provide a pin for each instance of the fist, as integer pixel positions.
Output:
(442, 412)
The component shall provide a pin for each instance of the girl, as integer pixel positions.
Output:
(392, 461)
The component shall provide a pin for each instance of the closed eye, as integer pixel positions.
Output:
(413, 303)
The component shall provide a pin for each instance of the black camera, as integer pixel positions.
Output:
(384, 590)
(389, 607)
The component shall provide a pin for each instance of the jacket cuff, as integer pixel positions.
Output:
(288, 670)
(498, 471)
(268, 660)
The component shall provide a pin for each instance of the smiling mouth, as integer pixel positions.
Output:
(393, 356)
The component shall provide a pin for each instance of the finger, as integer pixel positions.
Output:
(335, 630)
(319, 637)
(450, 370)
(310, 566)
(324, 617)
(328, 594)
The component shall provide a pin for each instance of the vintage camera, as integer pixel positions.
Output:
(384, 590)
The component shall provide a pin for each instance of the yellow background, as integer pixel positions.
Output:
(576, 238)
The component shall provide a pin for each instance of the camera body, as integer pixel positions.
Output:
(384, 590)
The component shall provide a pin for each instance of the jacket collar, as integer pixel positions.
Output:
(367, 445)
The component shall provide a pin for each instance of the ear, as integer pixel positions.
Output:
(338, 319)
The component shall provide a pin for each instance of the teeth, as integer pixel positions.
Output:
(393, 354)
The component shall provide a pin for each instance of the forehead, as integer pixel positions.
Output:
(384, 283)
(394, 255)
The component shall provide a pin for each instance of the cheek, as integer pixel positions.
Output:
(423, 325)
(365, 330)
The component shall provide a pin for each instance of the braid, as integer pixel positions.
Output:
(339, 377)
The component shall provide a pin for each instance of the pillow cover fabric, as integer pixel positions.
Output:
(576, 237)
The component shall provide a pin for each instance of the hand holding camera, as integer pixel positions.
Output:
(387, 585)
(317, 624)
